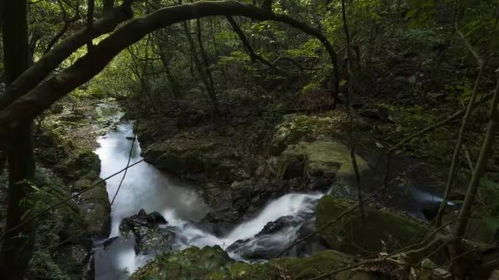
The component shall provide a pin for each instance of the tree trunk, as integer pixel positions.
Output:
(174, 85)
(206, 63)
(17, 245)
(199, 67)
(479, 170)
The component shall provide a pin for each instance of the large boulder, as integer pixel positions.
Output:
(381, 230)
(320, 162)
(196, 158)
(295, 128)
(149, 232)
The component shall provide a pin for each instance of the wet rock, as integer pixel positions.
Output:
(237, 244)
(387, 230)
(108, 242)
(277, 225)
(270, 241)
(148, 232)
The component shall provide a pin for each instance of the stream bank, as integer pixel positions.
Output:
(64, 140)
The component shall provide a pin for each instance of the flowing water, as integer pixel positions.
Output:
(145, 187)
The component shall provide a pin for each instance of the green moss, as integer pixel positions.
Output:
(329, 157)
(296, 128)
(386, 230)
(191, 263)
(306, 268)
(213, 263)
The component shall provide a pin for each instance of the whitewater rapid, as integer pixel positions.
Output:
(146, 187)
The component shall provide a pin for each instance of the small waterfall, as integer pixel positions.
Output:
(146, 187)
(276, 226)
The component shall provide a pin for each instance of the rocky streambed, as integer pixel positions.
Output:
(155, 213)
(250, 212)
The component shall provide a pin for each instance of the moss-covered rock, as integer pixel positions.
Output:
(295, 128)
(213, 263)
(323, 158)
(380, 231)
(191, 263)
(95, 208)
(186, 156)
(62, 246)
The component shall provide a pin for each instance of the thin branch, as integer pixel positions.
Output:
(479, 170)
(460, 138)
(62, 202)
(425, 130)
(249, 49)
(126, 169)
(349, 95)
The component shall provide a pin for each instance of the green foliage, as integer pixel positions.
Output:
(489, 193)
(309, 50)
(419, 39)
(477, 19)
(234, 57)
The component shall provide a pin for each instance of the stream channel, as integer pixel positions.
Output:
(146, 187)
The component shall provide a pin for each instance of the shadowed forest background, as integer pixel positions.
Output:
(289, 139)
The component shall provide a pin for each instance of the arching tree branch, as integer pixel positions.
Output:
(41, 97)
(40, 70)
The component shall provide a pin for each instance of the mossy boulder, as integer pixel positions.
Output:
(213, 263)
(191, 263)
(95, 208)
(193, 157)
(297, 127)
(323, 158)
(381, 230)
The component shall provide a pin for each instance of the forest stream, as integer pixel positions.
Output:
(277, 225)
(243, 140)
